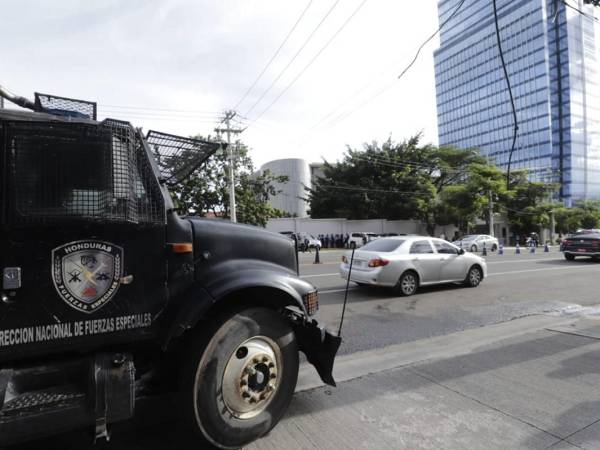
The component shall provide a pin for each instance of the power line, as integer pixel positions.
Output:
(408, 164)
(344, 115)
(583, 13)
(431, 37)
(387, 191)
(310, 63)
(353, 96)
(512, 100)
(308, 39)
(274, 56)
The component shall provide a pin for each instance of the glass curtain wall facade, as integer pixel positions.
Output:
(556, 92)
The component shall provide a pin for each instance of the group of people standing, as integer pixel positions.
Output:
(334, 240)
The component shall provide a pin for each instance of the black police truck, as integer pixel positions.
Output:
(109, 298)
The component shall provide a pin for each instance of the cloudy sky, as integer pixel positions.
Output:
(176, 65)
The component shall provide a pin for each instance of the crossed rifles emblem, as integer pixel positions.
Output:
(87, 263)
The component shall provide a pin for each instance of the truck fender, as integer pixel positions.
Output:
(189, 308)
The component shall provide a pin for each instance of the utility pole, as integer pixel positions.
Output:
(228, 116)
(552, 227)
(491, 212)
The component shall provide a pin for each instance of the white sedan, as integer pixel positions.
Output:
(405, 263)
(476, 242)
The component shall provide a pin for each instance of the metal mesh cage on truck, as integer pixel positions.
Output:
(177, 157)
(78, 171)
(63, 106)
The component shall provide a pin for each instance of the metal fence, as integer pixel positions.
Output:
(78, 171)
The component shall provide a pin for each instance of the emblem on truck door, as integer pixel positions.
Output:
(86, 274)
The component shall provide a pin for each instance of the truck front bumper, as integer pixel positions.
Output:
(318, 344)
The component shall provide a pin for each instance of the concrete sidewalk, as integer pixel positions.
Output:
(533, 383)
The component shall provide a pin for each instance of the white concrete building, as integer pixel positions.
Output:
(292, 195)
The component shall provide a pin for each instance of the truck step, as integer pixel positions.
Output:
(55, 398)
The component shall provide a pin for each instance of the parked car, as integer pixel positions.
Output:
(582, 245)
(309, 240)
(361, 238)
(303, 240)
(405, 263)
(475, 242)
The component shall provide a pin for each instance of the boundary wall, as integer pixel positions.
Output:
(343, 226)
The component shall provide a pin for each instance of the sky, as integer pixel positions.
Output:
(177, 65)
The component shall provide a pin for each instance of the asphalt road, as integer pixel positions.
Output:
(517, 286)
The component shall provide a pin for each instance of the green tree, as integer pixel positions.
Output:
(403, 180)
(528, 203)
(590, 213)
(206, 190)
(373, 183)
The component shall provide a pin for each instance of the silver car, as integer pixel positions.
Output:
(405, 263)
(475, 242)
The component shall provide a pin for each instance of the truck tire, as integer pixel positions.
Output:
(239, 378)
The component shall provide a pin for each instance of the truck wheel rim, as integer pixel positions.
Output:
(408, 284)
(252, 377)
(475, 276)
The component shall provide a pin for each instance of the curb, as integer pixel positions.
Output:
(360, 364)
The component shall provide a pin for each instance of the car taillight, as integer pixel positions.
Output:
(595, 243)
(378, 262)
(565, 242)
(344, 259)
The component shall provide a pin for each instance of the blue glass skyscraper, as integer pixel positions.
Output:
(552, 54)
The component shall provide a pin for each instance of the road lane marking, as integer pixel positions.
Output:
(320, 264)
(321, 275)
(331, 291)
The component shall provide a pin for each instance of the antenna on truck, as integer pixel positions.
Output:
(353, 245)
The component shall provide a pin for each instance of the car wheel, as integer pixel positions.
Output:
(494, 247)
(474, 276)
(239, 378)
(407, 284)
(569, 257)
(473, 248)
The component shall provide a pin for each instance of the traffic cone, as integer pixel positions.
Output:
(317, 257)
(546, 248)
(517, 249)
(501, 249)
(484, 252)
